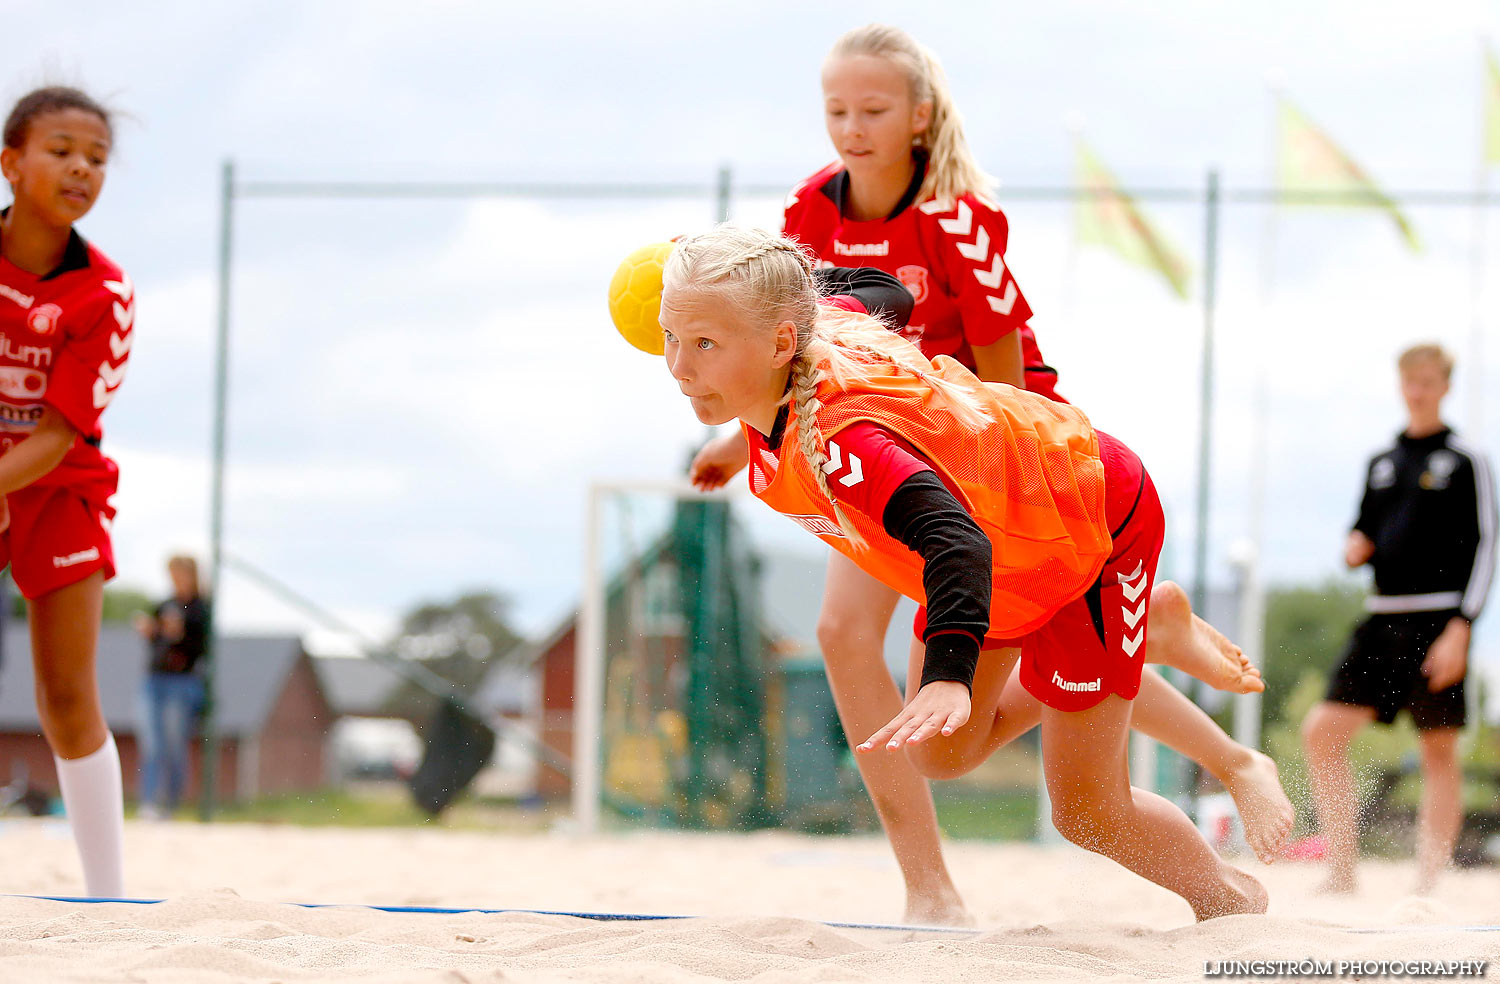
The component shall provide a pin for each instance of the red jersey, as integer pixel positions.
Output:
(950, 258)
(64, 341)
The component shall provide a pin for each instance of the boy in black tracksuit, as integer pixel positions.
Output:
(1427, 526)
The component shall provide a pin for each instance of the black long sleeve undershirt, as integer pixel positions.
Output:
(956, 559)
(883, 295)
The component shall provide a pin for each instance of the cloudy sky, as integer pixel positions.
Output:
(421, 391)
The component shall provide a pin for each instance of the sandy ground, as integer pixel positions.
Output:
(1044, 913)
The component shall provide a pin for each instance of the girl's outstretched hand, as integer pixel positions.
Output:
(941, 707)
(719, 461)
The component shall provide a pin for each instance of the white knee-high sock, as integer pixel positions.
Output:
(95, 803)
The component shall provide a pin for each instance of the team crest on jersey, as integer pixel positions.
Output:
(1383, 475)
(915, 280)
(43, 318)
(819, 525)
(1440, 468)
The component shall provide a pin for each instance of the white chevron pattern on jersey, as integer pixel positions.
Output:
(991, 278)
(1006, 304)
(978, 249)
(111, 375)
(835, 462)
(1133, 586)
(991, 270)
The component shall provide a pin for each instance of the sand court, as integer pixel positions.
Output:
(1043, 913)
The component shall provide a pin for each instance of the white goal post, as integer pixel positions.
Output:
(589, 644)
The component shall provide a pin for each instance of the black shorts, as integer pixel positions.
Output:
(1382, 669)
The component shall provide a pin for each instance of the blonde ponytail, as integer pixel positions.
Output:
(952, 171)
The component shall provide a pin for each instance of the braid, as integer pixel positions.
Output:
(805, 378)
(777, 244)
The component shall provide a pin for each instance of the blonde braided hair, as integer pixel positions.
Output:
(952, 171)
(768, 280)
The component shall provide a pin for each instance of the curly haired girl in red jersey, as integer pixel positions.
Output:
(66, 317)
(908, 197)
(1023, 532)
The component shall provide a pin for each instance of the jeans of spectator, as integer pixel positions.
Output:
(172, 705)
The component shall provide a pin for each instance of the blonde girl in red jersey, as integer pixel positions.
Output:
(928, 479)
(66, 317)
(908, 197)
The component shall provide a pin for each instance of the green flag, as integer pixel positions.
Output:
(1491, 108)
(1307, 159)
(1110, 217)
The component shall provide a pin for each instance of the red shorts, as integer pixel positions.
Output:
(1095, 645)
(57, 537)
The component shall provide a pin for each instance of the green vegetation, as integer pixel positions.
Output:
(969, 813)
(458, 640)
(121, 602)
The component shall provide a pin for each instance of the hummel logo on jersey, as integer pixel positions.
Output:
(862, 249)
(835, 462)
(81, 557)
(1133, 586)
(1073, 686)
(818, 525)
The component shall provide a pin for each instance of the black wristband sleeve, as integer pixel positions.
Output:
(956, 576)
(951, 656)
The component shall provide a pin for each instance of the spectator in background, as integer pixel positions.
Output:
(178, 635)
(1426, 526)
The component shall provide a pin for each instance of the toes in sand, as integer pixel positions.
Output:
(1264, 808)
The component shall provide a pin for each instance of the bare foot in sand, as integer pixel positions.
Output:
(936, 909)
(1264, 808)
(1243, 895)
(1178, 638)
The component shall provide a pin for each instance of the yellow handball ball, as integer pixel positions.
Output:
(635, 297)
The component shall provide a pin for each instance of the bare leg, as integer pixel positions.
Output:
(1178, 638)
(1326, 733)
(1160, 711)
(1095, 807)
(64, 637)
(1001, 711)
(1163, 712)
(1441, 813)
(851, 631)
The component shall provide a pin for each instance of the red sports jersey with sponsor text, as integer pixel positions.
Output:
(949, 255)
(64, 341)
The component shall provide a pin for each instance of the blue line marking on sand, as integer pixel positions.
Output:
(658, 917)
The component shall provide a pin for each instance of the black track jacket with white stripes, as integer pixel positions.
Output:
(1429, 508)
